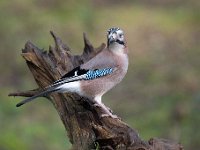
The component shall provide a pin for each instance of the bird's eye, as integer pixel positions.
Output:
(120, 35)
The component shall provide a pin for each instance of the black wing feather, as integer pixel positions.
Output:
(70, 75)
(76, 70)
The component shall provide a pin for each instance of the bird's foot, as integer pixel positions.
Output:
(97, 105)
(100, 106)
(110, 110)
(107, 112)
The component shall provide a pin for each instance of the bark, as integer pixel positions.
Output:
(83, 122)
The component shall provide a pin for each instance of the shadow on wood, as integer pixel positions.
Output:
(86, 129)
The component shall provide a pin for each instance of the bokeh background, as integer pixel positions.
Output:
(160, 96)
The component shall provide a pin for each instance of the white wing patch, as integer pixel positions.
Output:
(75, 73)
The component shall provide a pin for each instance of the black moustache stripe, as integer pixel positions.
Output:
(120, 42)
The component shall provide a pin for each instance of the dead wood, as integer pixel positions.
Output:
(86, 129)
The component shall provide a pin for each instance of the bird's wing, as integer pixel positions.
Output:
(101, 65)
(74, 75)
(82, 74)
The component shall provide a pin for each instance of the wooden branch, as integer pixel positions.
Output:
(25, 94)
(86, 129)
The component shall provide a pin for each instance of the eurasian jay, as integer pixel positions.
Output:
(97, 76)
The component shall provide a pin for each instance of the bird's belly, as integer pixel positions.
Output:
(96, 87)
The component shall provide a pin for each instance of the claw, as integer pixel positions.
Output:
(97, 105)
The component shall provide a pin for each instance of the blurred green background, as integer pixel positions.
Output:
(160, 96)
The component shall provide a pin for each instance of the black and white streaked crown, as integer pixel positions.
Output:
(114, 29)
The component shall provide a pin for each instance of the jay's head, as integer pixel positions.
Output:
(115, 36)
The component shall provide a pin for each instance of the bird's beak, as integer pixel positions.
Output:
(113, 38)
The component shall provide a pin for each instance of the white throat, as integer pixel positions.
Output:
(116, 48)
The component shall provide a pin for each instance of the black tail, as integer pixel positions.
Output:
(37, 95)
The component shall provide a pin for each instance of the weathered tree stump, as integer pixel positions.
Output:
(86, 129)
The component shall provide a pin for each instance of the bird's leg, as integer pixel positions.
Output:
(99, 105)
(106, 110)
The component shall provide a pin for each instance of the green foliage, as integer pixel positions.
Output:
(97, 147)
(160, 94)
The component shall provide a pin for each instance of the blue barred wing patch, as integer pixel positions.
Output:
(93, 74)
